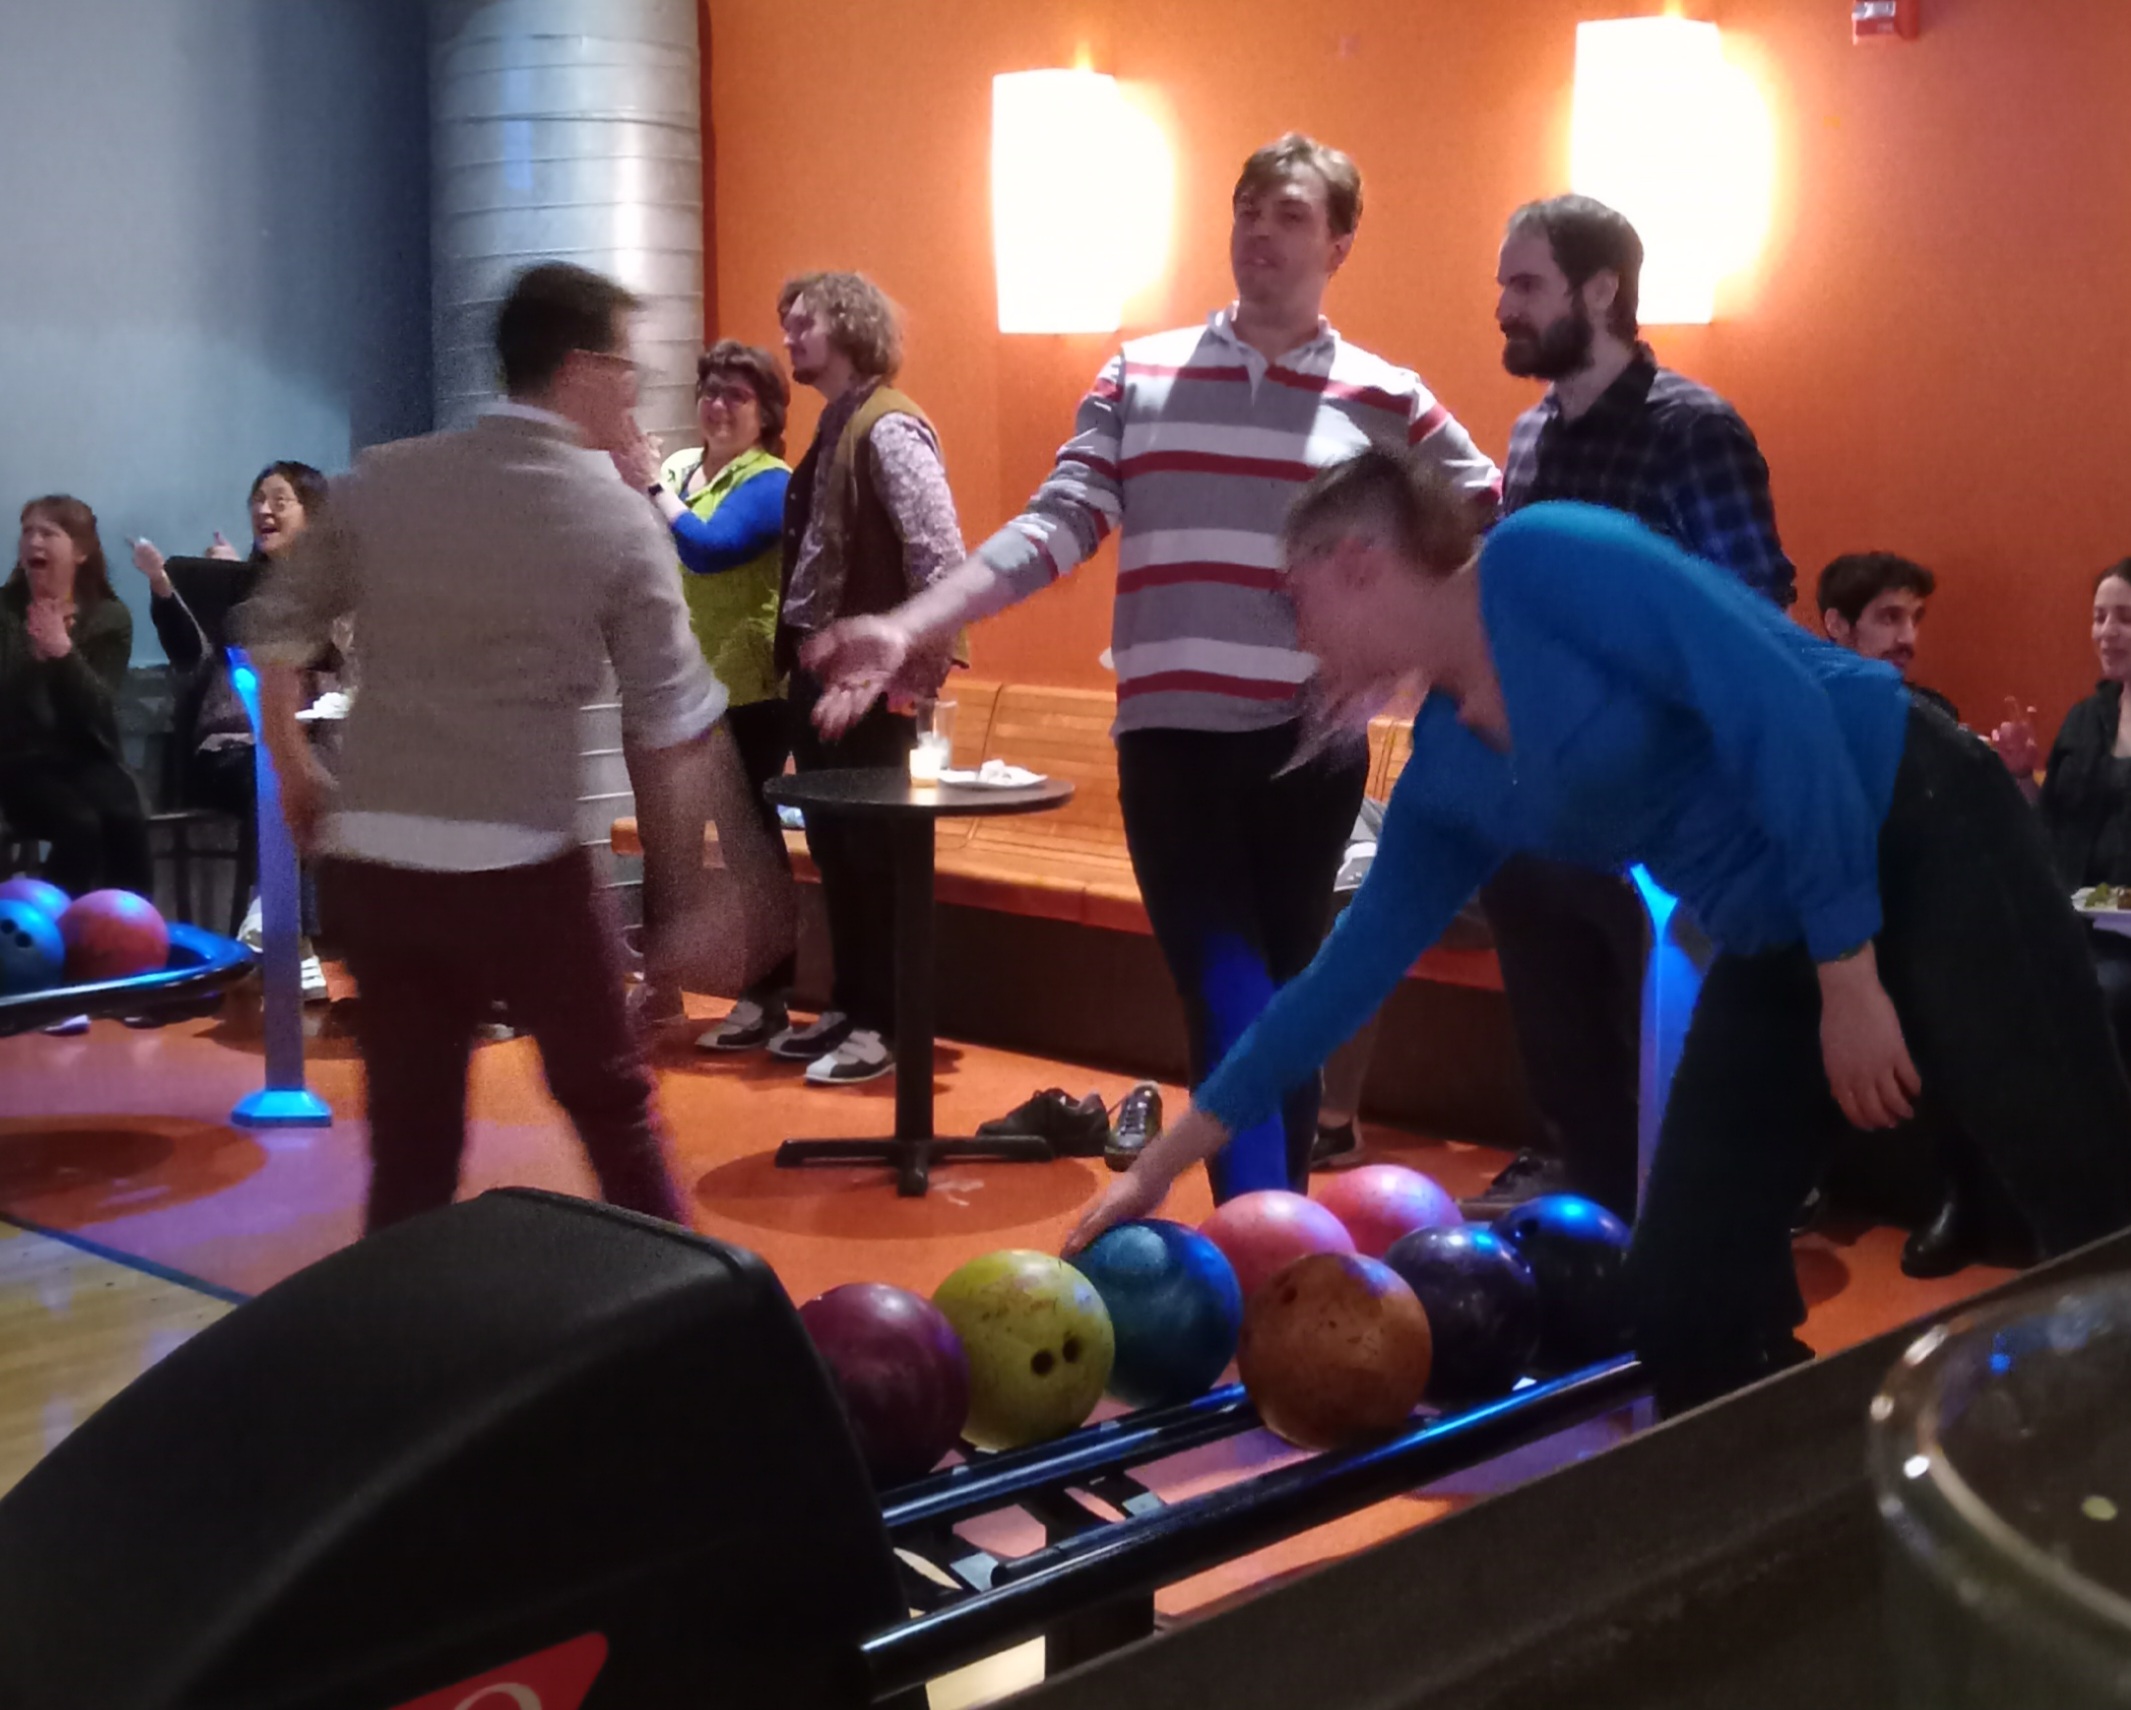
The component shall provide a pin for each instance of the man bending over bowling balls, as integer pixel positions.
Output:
(1885, 911)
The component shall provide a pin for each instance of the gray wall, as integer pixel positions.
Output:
(214, 252)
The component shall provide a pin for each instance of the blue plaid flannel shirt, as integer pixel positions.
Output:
(1668, 452)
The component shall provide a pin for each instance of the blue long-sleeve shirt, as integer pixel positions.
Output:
(1659, 713)
(748, 523)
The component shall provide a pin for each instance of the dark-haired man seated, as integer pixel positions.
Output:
(1873, 603)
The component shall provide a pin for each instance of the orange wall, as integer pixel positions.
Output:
(1931, 348)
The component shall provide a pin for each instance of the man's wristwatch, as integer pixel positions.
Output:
(655, 489)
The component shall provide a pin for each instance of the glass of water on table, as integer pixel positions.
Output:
(2001, 1461)
(931, 754)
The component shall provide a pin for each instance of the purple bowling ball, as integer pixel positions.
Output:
(48, 900)
(901, 1371)
(1482, 1305)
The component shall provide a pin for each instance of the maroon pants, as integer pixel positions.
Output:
(431, 952)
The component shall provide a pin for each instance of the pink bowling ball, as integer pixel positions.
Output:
(1265, 1232)
(1380, 1202)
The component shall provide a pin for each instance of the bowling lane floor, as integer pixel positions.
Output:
(122, 1137)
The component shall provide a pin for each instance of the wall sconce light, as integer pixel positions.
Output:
(1672, 134)
(1081, 191)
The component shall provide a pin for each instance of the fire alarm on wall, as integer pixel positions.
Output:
(1883, 20)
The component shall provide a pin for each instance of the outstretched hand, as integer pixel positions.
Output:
(856, 660)
(2015, 740)
(1140, 1191)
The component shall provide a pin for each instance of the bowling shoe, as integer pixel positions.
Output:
(1527, 1176)
(817, 1038)
(1338, 1147)
(748, 1026)
(863, 1056)
(1138, 1121)
(1076, 1128)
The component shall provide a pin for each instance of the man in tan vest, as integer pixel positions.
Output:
(494, 575)
(868, 521)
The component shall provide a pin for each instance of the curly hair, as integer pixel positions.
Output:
(863, 323)
(758, 370)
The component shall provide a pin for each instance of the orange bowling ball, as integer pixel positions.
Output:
(113, 935)
(1335, 1351)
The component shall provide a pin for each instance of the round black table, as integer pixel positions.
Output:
(905, 812)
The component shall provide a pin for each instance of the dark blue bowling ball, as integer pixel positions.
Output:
(1578, 1252)
(32, 955)
(1482, 1304)
(1174, 1305)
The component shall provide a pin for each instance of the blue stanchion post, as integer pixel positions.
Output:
(285, 1101)
(1672, 980)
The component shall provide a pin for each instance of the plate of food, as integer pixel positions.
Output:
(2105, 906)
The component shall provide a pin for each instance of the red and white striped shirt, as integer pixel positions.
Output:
(1193, 444)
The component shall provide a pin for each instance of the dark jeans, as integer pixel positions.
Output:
(1571, 944)
(224, 779)
(431, 954)
(856, 862)
(2112, 961)
(90, 812)
(1235, 867)
(1989, 972)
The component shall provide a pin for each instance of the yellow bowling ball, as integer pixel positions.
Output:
(1039, 1344)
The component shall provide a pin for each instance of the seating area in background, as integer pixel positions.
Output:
(1071, 865)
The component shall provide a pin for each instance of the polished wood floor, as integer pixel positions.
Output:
(123, 1138)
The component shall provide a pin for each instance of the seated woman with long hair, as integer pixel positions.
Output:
(1887, 922)
(66, 642)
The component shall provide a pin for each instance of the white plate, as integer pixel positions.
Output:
(2104, 919)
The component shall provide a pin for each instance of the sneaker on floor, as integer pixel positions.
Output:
(803, 1044)
(863, 1056)
(314, 981)
(69, 1028)
(252, 934)
(1075, 1127)
(1527, 1176)
(1138, 1122)
(748, 1026)
(653, 1005)
(1338, 1147)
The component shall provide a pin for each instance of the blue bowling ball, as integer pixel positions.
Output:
(32, 956)
(1482, 1305)
(1174, 1304)
(1578, 1251)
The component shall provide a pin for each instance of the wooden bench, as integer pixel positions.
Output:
(1071, 865)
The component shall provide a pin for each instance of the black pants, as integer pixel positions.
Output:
(90, 812)
(2112, 961)
(1990, 974)
(224, 779)
(762, 732)
(857, 865)
(1571, 944)
(1235, 866)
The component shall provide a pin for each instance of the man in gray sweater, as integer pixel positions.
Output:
(493, 575)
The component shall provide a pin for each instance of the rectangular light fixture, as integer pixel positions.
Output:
(1667, 131)
(1080, 201)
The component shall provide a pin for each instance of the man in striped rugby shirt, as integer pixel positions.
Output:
(1191, 445)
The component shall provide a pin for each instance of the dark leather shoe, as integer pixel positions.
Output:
(1950, 1242)
(1076, 1128)
(1138, 1121)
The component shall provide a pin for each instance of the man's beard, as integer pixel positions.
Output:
(1562, 349)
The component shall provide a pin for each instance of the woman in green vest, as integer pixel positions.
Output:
(725, 505)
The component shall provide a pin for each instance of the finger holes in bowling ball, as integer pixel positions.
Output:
(1041, 1362)
(1072, 1349)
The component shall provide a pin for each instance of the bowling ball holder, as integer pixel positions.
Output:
(531, 1433)
(202, 966)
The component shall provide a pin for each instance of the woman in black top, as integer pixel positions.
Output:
(210, 722)
(66, 642)
(2086, 794)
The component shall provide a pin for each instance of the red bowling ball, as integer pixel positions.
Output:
(1379, 1203)
(1265, 1232)
(113, 935)
(901, 1371)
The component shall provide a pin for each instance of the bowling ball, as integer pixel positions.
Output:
(900, 1369)
(1578, 1252)
(1380, 1202)
(113, 935)
(1482, 1305)
(1335, 1351)
(1175, 1308)
(47, 899)
(1039, 1343)
(31, 954)
(1264, 1232)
